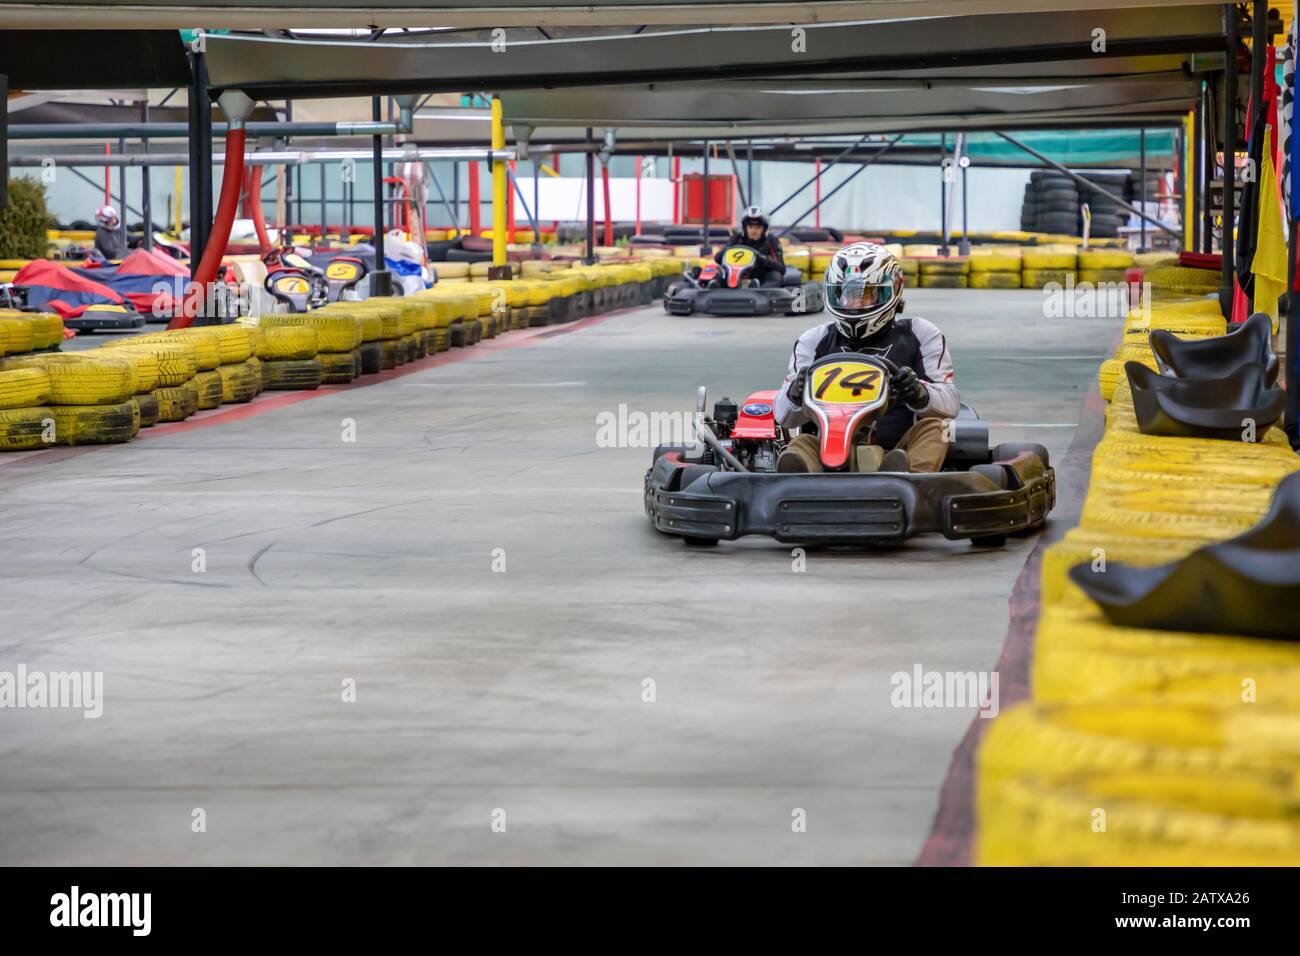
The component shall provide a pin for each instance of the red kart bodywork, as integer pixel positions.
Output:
(752, 421)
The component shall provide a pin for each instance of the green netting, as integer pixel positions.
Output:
(1120, 147)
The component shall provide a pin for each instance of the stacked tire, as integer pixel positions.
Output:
(1053, 204)
(57, 399)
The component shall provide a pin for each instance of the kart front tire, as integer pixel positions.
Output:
(704, 542)
(989, 541)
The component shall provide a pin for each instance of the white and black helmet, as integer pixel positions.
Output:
(864, 288)
(754, 214)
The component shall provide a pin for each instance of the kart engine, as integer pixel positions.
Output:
(749, 433)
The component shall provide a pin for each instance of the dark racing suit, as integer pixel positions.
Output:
(916, 343)
(770, 268)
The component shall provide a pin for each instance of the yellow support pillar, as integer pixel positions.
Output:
(499, 198)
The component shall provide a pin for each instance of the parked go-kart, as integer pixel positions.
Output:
(291, 279)
(727, 486)
(731, 288)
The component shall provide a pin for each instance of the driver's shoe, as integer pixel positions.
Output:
(801, 456)
(896, 460)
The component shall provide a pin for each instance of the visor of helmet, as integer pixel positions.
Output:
(856, 295)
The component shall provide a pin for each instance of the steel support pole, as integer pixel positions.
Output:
(146, 185)
(324, 209)
(121, 188)
(381, 280)
(591, 200)
(943, 193)
(706, 247)
(200, 127)
(1229, 158)
(1207, 170)
(1142, 171)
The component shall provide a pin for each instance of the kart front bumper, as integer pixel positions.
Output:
(90, 321)
(775, 300)
(841, 508)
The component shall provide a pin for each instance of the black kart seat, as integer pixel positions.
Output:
(1251, 342)
(1247, 585)
(1204, 408)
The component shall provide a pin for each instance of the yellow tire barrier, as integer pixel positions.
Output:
(994, 280)
(177, 361)
(210, 388)
(1079, 657)
(1033, 260)
(19, 333)
(106, 424)
(337, 368)
(994, 262)
(256, 365)
(1029, 823)
(1181, 279)
(289, 343)
(79, 380)
(175, 403)
(1105, 259)
(1039, 278)
(334, 332)
(238, 382)
(25, 429)
(207, 346)
(146, 405)
(24, 387)
(1101, 276)
(236, 342)
(291, 375)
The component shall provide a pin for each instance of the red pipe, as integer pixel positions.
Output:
(677, 188)
(255, 209)
(474, 202)
(232, 181)
(609, 213)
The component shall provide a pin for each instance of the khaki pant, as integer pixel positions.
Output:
(924, 443)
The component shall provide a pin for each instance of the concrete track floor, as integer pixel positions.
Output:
(372, 561)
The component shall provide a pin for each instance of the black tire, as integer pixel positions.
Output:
(989, 541)
(292, 375)
(1010, 449)
(1058, 207)
(1058, 195)
(1066, 226)
(372, 358)
(704, 542)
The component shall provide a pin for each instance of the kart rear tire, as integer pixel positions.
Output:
(994, 473)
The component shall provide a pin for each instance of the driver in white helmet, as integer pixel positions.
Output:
(108, 233)
(864, 285)
(770, 267)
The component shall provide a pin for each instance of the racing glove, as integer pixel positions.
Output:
(909, 388)
(794, 391)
